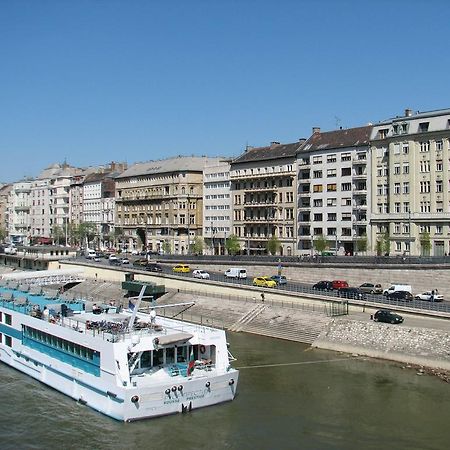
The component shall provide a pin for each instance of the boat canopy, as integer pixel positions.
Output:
(173, 338)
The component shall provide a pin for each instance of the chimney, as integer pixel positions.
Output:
(274, 143)
(408, 112)
(316, 130)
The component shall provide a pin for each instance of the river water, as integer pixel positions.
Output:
(289, 397)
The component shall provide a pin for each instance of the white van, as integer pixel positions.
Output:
(398, 287)
(236, 272)
(90, 254)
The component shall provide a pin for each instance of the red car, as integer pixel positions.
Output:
(338, 284)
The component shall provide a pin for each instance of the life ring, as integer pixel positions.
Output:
(202, 349)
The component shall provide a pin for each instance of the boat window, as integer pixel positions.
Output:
(170, 355)
(181, 354)
(158, 357)
(146, 359)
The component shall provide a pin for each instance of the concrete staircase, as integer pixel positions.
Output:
(247, 318)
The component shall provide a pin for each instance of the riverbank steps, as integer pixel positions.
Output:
(416, 346)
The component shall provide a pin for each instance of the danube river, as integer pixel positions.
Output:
(289, 397)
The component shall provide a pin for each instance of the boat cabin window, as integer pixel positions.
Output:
(170, 355)
(158, 357)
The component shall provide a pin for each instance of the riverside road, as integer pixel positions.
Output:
(294, 287)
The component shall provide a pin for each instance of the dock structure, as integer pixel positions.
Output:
(44, 277)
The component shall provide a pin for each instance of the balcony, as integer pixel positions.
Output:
(22, 208)
(304, 207)
(249, 176)
(357, 160)
(304, 180)
(359, 176)
(253, 189)
(360, 191)
(259, 204)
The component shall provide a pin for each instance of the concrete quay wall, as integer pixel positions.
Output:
(421, 278)
(419, 346)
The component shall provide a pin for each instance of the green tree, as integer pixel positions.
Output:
(87, 232)
(320, 244)
(273, 245)
(361, 244)
(3, 234)
(425, 244)
(57, 234)
(379, 246)
(167, 249)
(232, 245)
(197, 246)
(386, 243)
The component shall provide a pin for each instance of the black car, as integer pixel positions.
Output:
(323, 286)
(114, 262)
(351, 292)
(153, 267)
(401, 295)
(383, 315)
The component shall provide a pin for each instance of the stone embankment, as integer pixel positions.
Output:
(423, 347)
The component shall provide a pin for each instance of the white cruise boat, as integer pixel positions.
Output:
(155, 367)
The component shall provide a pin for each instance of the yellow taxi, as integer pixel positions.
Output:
(183, 268)
(264, 282)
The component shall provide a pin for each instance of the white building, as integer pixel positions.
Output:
(217, 205)
(19, 203)
(333, 186)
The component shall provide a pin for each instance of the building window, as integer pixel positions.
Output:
(398, 246)
(439, 145)
(317, 217)
(331, 187)
(331, 231)
(439, 207)
(425, 146)
(439, 186)
(424, 166)
(397, 169)
(317, 231)
(317, 188)
(331, 217)
(405, 168)
(397, 207)
(383, 132)
(331, 173)
(346, 171)
(439, 229)
(405, 148)
(317, 174)
(396, 188)
(346, 217)
(331, 201)
(397, 149)
(439, 165)
(346, 157)
(405, 228)
(406, 207)
(317, 160)
(423, 127)
(424, 187)
(318, 202)
(331, 158)
(397, 228)
(346, 186)
(346, 201)
(406, 187)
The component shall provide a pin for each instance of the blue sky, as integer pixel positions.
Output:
(96, 81)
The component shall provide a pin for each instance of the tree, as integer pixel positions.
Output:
(57, 234)
(386, 243)
(232, 245)
(379, 246)
(166, 248)
(3, 234)
(320, 243)
(197, 246)
(425, 243)
(273, 245)
(361, 244)
(87, 231)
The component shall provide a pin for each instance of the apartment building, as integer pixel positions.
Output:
(4, 195)
(98, 194)
(217, 206)
(50, 198)
(263, 189)
(18, 212)
(410, 196)
(333, 185)
(159, 204)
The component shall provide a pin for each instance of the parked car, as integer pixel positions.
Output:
(323, 286)
(279, 279)
(181, 268)
(351, 292)
(124, 260)
(264, 282)
(199, 273)
(113, 257)
(114, 262)
(140, 262)
(383, 315)
(430, 297)
(397, 287)
(153, 267)
(338, 284)
(370, 288)
(400, 295)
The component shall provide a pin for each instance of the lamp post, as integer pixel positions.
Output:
(409, 227)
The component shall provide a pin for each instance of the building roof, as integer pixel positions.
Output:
(100, 176)
(273, 151)
(58, 170)
(177, 164)
(351, 137)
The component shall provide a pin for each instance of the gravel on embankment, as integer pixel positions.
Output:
(419, 347)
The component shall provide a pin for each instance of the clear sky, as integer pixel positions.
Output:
(96, 81)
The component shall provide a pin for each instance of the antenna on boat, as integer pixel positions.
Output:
(136, 308)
